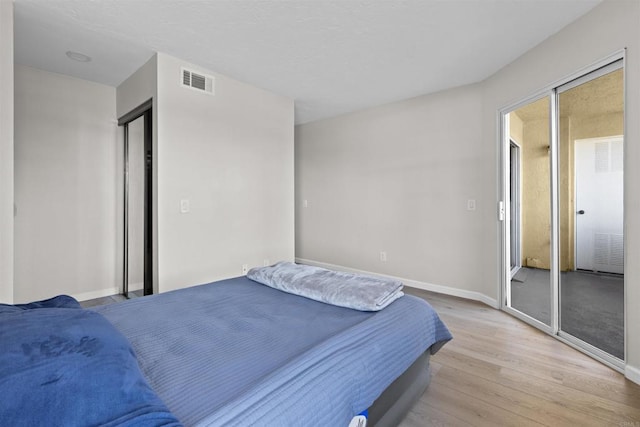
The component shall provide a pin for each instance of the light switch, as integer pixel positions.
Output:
(184, 206)
(471, 205)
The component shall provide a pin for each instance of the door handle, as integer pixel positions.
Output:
(580, 212)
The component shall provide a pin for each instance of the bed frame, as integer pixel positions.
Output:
(396, 401)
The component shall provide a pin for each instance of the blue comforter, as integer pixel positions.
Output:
(239, 353)
(61, 365)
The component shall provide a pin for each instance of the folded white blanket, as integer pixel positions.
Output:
(357, 291)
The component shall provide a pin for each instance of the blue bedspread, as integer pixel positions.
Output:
(238, 353)
(61, 365)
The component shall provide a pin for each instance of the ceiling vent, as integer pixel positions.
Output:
(197, 81)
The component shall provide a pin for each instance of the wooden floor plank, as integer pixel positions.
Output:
(474, 411)
(500, 371)
(426, 415)
(510, 399)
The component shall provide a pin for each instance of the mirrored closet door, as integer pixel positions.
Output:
(530, 210)
(591, 183)
(563, 234)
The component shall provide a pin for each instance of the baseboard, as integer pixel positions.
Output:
(632, 374)
(446, 290)
(96, 294)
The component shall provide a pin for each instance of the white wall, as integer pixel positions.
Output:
(396, 179)
(67, 187)
(231, 156)
(138, 87)
(6, 151)
(398, 176)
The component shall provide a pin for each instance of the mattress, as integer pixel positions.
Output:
(236, 352)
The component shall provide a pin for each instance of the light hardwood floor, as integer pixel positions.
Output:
(499, 371)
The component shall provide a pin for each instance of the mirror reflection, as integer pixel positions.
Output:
(591, 212)
(530, 210)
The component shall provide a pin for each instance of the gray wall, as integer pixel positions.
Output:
(397, 177)
(6, 151)
(67, 189)
(138, 88)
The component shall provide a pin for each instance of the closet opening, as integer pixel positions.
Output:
(137, 274)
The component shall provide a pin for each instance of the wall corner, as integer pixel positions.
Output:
(6, 151)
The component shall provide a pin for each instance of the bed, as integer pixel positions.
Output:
(233, 352)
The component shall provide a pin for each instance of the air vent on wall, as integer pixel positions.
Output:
(197, 81)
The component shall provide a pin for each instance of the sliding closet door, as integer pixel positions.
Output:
(562, 189)
(529, 210)
(135, 207)
(591, 150)
(138, 201)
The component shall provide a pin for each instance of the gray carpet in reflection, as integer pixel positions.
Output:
(591, 305)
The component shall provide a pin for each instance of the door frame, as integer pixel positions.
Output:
(552, 91)
(144, 110)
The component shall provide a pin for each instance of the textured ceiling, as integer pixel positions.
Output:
(331, 57)
(604, 95)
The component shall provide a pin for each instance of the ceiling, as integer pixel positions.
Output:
(330, 56)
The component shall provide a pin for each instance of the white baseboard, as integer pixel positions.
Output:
(632, 374)
(96, 294)
(447, 290)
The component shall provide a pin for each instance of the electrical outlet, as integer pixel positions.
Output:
(245, 269)
(266, 262)
(383, 256)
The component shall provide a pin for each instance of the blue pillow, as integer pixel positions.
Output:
(69, 366)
